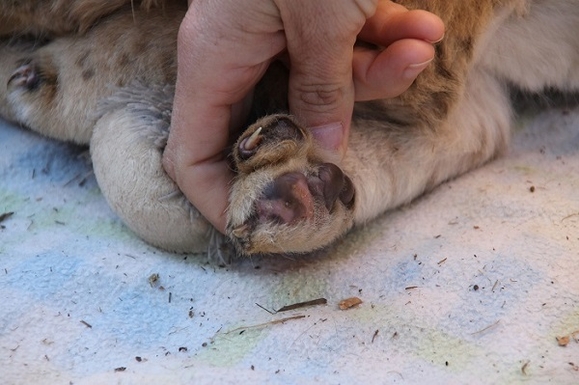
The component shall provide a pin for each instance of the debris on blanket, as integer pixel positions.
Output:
(524, 367)
(154, 279)
(486, 328)
(5, 216)
(86, 324)
(299, 305)
(375, 335)
(242, 329)
(349, 303)
(294, 306)
(564, 340)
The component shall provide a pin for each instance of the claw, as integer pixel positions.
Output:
(240, 231)
(251, 143)
(24, 76)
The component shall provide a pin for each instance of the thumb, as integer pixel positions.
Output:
(321, 88)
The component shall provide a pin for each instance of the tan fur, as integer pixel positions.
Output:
(107, 79)
(49, 18)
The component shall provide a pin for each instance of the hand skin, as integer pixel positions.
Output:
(225, 47)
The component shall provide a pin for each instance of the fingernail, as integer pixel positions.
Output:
(413, 70)
(329, 136)
(436, 41)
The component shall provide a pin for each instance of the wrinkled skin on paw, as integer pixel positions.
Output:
(284, 192)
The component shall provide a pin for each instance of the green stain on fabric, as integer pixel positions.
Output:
(443, 349)
(405, 333)
(50, 217)
(568, 324)
(11, 202)
(229, 348)
(297, 286)
(73, 217)
(525, 169)
(109, 228)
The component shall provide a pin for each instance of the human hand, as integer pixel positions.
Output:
(225, 47)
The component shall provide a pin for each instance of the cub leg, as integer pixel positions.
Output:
(126, 150)
(55, 89)
(287, 199)
(537, 49)
(390, 167)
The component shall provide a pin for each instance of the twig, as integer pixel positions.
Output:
(314, 302)
(86, 324)
(6, 215)
(569, 216)
(487, 328)
(524, 367)
(375, 335)
(270, 312)
(274, 322)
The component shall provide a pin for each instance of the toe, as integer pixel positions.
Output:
(24, 76)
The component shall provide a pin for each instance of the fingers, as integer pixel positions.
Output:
(407, 38)
(215, 76)
(192, 156)
(392, 22)
(388, 73)
(327, 74)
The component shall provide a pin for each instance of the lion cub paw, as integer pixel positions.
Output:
(26, 76)
(30, 76)
(286, 199)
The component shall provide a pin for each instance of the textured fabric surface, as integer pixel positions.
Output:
(472, 283)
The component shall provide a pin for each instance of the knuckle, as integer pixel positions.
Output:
(318, 97)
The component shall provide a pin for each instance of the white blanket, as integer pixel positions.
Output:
(471, 284)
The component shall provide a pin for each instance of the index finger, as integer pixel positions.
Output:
(213, 77)
(392, 22)
(194, 153)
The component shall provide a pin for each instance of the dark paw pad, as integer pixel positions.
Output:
(294, 197)
(335, 185)
(286, 200)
